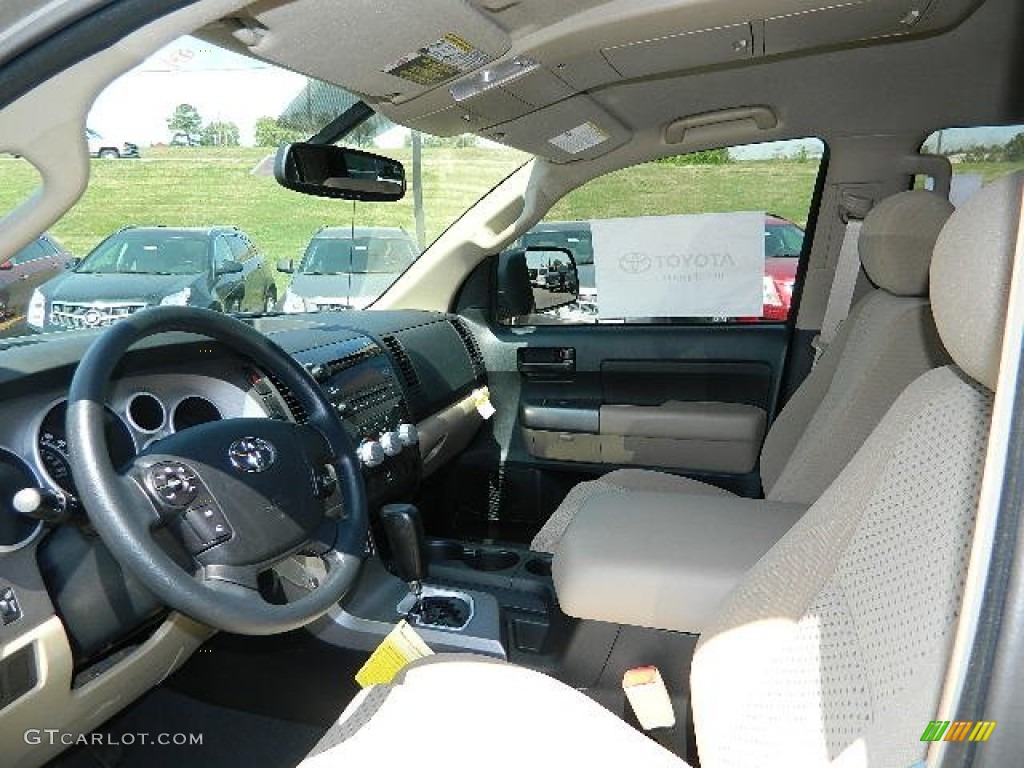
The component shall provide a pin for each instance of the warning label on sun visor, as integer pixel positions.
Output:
(441, 60)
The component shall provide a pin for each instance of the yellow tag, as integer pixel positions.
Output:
(402, 646)
(482, 401)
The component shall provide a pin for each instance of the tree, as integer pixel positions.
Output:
(1014, 150)
(186, 120)
(270, 133)
(220, 134)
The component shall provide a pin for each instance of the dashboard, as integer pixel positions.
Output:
(402, 383)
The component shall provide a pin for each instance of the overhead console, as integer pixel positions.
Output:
(517, 71)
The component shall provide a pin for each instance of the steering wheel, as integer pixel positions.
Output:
(200, 514)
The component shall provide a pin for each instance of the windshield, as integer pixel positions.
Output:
(384, 254)
(181, 184)
(148, 253)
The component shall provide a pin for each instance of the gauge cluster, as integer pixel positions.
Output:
(140, 410)
(52, 447)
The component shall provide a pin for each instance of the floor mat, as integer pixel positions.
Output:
(229, 738)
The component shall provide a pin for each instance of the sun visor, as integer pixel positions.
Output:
(427, 45)
(574, 129)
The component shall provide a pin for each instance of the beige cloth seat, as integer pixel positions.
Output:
(888, 340)
(833, 649)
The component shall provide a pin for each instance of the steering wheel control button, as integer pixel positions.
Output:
(208, 524)
(251, 454)
(371, 454)
(326, 482)
(391, 443)
(174, 485)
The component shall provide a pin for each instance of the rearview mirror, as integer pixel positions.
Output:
(73, 262)
(329, 171)
(286, 266)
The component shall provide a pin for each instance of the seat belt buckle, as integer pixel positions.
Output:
(647, 695)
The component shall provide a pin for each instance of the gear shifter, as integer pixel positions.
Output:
(404, 528)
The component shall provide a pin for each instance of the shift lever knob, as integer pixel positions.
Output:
(404, 529)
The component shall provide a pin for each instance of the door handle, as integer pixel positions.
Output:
(564, 366)
(546, 360)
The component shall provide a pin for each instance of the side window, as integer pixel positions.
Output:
(978, 155)
(709, 237)
(221, 251)
(240, 250)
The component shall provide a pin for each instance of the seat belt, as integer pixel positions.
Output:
(852, 210)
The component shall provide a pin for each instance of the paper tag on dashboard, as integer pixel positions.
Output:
(402, 646)
(482, 401)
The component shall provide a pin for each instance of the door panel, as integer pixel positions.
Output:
(663, 360)
(548, 432)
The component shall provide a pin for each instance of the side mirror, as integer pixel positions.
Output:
(557, 281)
(229, 268)
(325, 170)
(514, 297)
(534, 280)
(286, 265)
(72, 262)
(6, 265)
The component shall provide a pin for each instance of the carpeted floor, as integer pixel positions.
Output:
(230, 738)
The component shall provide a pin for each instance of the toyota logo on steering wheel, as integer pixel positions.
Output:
(251, 454)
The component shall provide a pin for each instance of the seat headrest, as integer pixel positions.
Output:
(970, 276)
(897, 240)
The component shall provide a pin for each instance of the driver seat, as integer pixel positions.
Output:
(832, 651)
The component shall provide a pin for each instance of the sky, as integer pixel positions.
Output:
(220, 84)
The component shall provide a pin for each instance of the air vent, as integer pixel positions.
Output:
(406, 369)
(296, 408)
(472, 347)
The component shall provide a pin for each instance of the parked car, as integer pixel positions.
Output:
(783, 242)
(23, 272)
(109, 148)
(345, 268)
(184, 140)
(136, 267)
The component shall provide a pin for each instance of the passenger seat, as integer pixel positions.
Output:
(888, 340)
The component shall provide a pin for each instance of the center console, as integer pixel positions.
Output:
(491, 600)
(358, 378)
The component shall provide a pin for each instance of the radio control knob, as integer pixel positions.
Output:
(391, 443)
(408, 434)
(370, 453)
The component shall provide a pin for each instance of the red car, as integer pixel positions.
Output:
(783, 243)
(26, 270)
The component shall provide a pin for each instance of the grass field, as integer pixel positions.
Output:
(203, 186)
(197, 187)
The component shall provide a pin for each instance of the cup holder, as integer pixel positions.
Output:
(443, 551)
(539, 567)
(490, 559)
